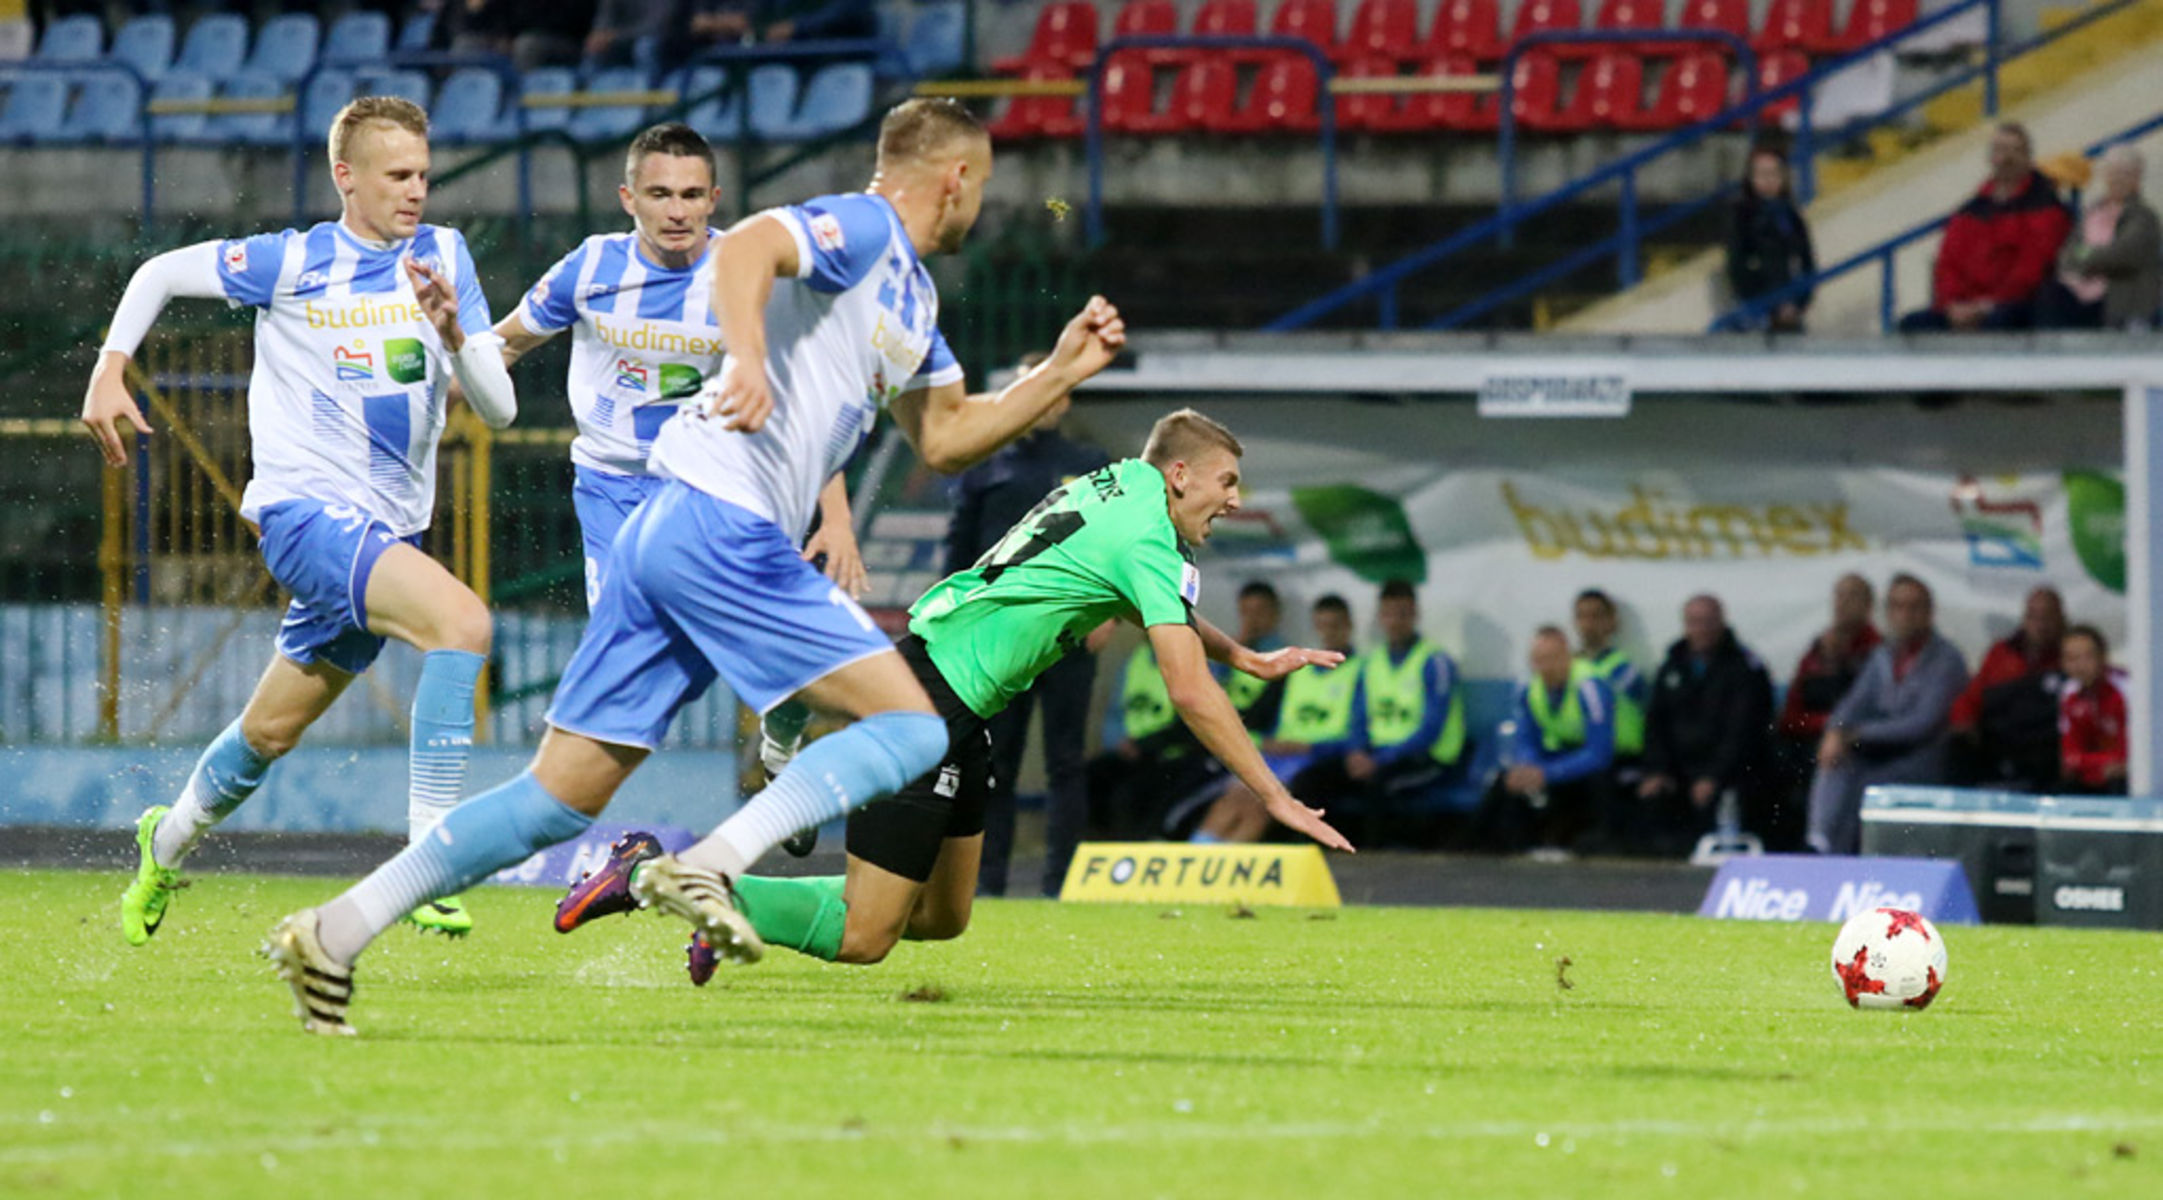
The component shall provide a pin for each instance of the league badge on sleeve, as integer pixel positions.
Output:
(1190, 583)
(826, 231)
(236, 257)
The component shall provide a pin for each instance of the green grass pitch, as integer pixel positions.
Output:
(1067, 1051)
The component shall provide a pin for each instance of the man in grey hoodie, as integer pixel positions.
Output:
(1892, 726)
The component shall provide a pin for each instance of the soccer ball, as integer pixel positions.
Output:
(1889, 958)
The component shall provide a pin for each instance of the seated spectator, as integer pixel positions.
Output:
(1597, 623)
(2005, 723)
(1154, 759)
(1556, 753)
(1768, 243)
(1260, 615)
(2110, 273)
(1892, 726)
(1705, 735)
(723, 22)
(2091, 718)
(1828, 669)
(1999, 246)
(817, 20)
(1314, 725)
(620, 26)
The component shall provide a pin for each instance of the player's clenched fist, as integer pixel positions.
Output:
(742, 400)
(1092, 339)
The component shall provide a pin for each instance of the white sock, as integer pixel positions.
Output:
(181, 830)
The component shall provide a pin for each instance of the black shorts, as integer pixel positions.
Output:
(904, 832)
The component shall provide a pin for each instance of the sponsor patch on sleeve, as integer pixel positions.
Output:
(826, 231)
(1190, 583)
(236, 256)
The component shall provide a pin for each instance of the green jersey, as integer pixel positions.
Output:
(1101, 547)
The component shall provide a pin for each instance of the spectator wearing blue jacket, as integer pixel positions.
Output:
(1556, 754)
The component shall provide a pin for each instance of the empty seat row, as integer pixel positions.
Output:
(1066, 33)
(218, 45)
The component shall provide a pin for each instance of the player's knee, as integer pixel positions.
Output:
(466, 626)
(863, 948)
(938, 927)
(271, 736)
(915, 743)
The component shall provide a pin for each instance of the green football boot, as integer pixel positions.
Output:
(142, 906)
(447, 916)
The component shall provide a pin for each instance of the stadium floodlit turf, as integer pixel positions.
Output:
(1066, 1051)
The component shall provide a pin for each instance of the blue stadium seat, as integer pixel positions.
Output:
(37, 103)
(80, 38)
(469, 108)
(146, 43)
(285, 48)
(935, 39)
(108, 110)
(406, 85)
(772, 89)
(838, 97)
(215, 46)
(548, 81)
(181, 127)
(252, 128)
(418, 31)
(359, 37)
(614, 121)
(717, 119)
(325, 94)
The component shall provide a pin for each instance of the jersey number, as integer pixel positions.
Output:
(1050, 530)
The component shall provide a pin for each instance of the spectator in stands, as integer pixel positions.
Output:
(724, 22)
(646, 33)
(2110, 274)
(1998, 247)
(1597, 623)
(2005, 723)
(1261, 613)
(1893, 725)
(1768, 243)
(1314, 725)
(1706, 732)
(817, 20)
(989, 499)
(1828, 669)
(1555, 755)
(2091, 717)
(535, 33)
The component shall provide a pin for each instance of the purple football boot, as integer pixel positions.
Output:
(607, 890)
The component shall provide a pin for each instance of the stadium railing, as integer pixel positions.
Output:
(1745, 316)
(1381, 284)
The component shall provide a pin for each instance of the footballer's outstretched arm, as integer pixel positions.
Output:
(190, 271)
(1222, 647)
(952, 430)
(1216, 724)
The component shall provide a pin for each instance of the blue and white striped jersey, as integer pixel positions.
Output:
(643, 338)
(347, 396)
(858, 327)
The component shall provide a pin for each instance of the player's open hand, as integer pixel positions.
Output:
(438, 301)
(1295, 816)
(741, 398)
(1091, 340)
(844, 563)
(1279, 663)
(105, 402)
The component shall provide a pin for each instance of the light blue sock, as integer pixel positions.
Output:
(228, 773)
(875, 757)
(1203, 837)
(494, 830)
(442, 737)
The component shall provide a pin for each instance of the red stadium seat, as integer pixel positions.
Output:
(1694, 88)
(1536, 100)
(1382, 29)
(1149, 18)
(1619, 15)
(1795, 25)
(1065, 37)
(1724, 16)
(1027, 117)
(1227, 18)
(1203, 95)
(1366, 112)
(1129, 96)
(1468, 27)
(1869, 20)
(1547, 16)
(1610, 92)
(1283, 100)
(1774, 69)
(1314, 20)
(1426, 112)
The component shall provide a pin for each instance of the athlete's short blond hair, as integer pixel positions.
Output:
(1185, 435)
(373, 112)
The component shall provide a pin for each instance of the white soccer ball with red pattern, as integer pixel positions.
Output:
(1889, 958)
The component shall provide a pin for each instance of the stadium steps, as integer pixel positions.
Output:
(2106, 41)
(1912, 181)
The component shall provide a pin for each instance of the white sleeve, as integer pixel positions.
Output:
(189, 271)
(484, 379)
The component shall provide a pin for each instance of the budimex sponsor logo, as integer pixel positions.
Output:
(361, 314)
(655, 338)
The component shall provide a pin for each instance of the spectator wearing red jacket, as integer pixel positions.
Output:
(2091, 718)
(1827, 670)
(1999, 247)
(2005, 723)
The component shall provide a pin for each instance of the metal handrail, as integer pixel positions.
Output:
(1747, 312)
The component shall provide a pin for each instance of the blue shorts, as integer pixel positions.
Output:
(324, 554)
(1284, 766)
(603, 500)
(698, 587)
